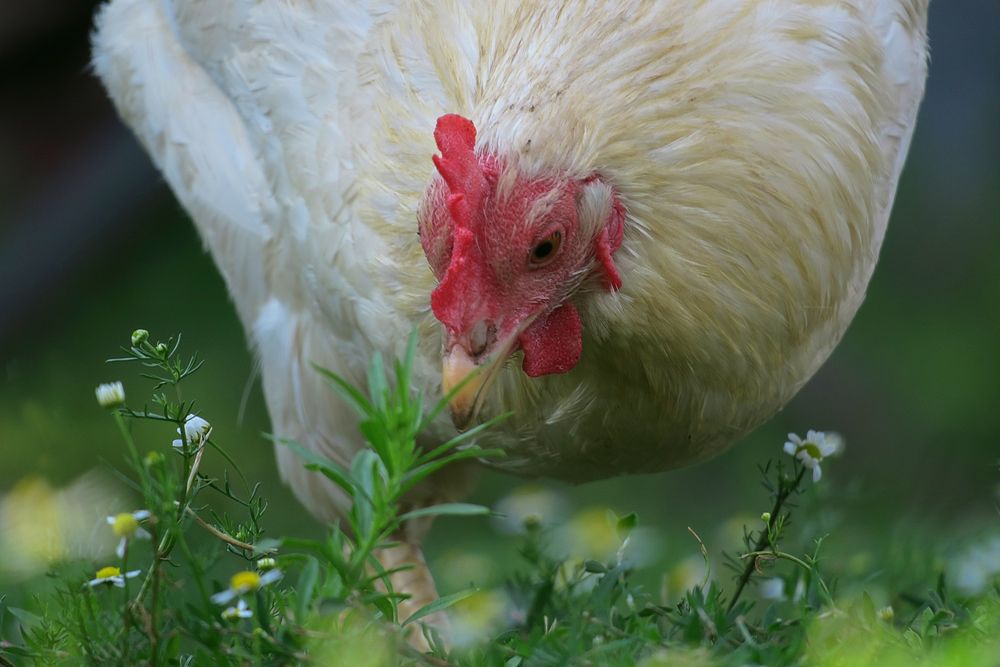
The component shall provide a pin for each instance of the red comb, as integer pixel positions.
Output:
(456, 139)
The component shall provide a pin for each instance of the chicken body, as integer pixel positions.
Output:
(755, 146)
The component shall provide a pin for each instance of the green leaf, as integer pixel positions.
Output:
(447, 509)
(211, 443)
(913, 639)
(332, 470)
(347, 391)
(376, 435)
(385, 603)
(174, 646)
(26, 618)
(377, 387)
(19, 651)
(462, 437)
(363, 473)
(413, 477)
(868, 608)
(382, 574)
(626, 524)
(604, 593)
(440, 604)
(404, 370)
(926, 620)
(305, 588)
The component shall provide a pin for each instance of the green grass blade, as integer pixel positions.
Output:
(335, 472)
(447, 509)
(352, 395)
(460, 438)
(440, 605)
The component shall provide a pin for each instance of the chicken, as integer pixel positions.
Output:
(646, 224)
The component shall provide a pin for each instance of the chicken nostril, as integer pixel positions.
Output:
(480, 336)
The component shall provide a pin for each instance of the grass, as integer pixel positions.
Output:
(211, 587)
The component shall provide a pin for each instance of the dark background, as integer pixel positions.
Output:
(92, 245)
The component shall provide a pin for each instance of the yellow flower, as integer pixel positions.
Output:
(478, 615)
(41, 525)
(590, 534)
(113, 576)
(245, 582)
(126, 526)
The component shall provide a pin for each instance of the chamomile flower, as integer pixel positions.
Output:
(812, 449)
(110, 394)
(245, 582)
(772, 588)
(126, 527)
(196, 432)
(241, 610)
(112, 576)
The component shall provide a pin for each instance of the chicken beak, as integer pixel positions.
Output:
(466, 383)
(461, 384)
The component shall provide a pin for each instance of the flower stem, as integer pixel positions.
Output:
(154, 632)
(129, 441)
(781, 555)
(228, 539)
(784, 491)
(125, 606)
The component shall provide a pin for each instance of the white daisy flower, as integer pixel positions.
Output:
(529, 505)
(812, 449)
(112, 576)
(241, 610)
(196, 432)
(110, 394)
(772, 588)
(245, 582)
(126, 526)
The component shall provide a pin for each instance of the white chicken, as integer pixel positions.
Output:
(667, 212)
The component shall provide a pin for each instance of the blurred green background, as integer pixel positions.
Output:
(92, 245)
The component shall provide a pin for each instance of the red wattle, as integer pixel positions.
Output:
(553, 344)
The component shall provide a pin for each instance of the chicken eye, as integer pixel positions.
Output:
(545, 250)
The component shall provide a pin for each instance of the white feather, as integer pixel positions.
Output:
(757, 145)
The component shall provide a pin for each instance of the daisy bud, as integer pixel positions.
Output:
(110, 394)
(266, 563)
(139, 336)
(766, 517)
(161, 349)
(887, 614)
